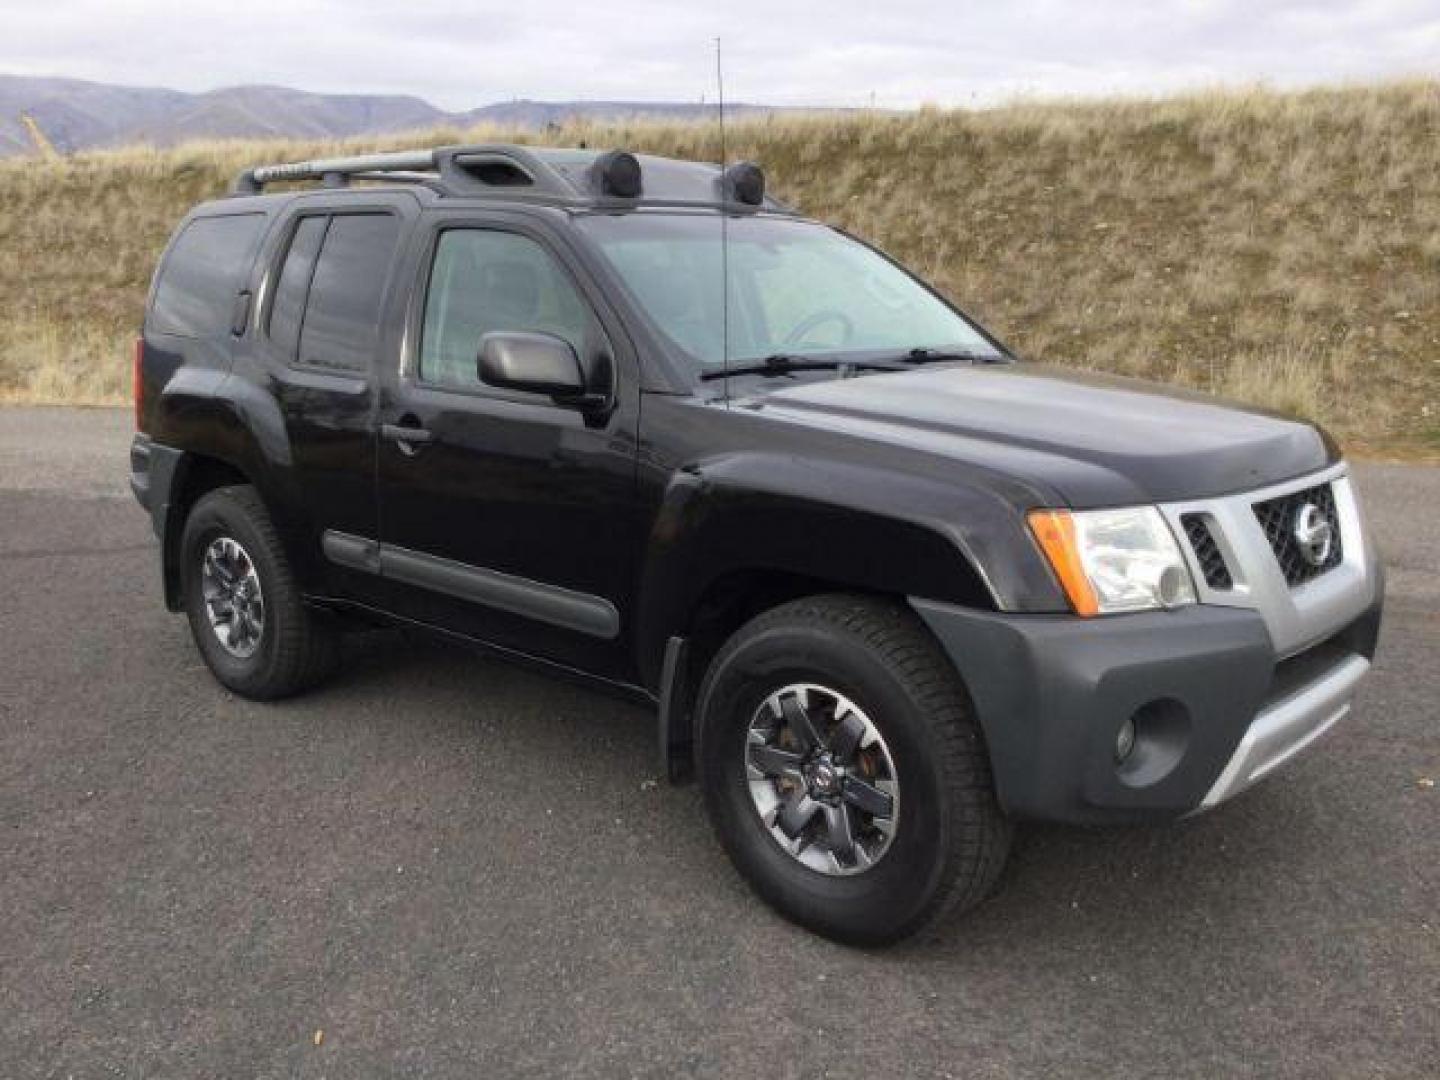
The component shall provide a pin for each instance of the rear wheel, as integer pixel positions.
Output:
(844, 773)
(245, 610)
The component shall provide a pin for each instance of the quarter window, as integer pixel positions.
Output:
(195, 292)
(485, 280)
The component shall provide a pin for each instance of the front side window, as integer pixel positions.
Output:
(340, 325)
(794, 288)
(195, 292)
(485, 280)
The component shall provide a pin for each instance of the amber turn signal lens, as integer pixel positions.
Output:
(1055, 532)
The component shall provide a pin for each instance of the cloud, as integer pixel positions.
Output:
(847, 52)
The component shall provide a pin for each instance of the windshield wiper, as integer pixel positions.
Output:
(922, 354)
(785, 363)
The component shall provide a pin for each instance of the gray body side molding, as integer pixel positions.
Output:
(582, 612)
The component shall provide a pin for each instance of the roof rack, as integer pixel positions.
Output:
(578, 176)
(491, 166)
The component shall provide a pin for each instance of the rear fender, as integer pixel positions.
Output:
(205, 418)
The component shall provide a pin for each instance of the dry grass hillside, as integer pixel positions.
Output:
(1278, 248)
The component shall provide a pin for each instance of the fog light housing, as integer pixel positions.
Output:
(1151, 742)
(1125, 740)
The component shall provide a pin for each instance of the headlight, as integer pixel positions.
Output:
(1114, 560)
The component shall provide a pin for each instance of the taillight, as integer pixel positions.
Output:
(138, 383)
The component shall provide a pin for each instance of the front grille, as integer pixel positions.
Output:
(1207, 552)
(1278, 517)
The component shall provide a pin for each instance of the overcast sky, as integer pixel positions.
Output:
(840, 52)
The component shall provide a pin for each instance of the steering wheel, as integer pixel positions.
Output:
(820, 318)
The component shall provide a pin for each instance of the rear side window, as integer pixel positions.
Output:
(340, 326)
(195, 293)
(288, 309)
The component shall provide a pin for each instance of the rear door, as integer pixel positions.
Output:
(328, 319)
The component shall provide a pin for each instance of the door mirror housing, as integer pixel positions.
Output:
(539, 364)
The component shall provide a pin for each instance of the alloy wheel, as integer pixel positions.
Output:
(822, 779)
(234, 602)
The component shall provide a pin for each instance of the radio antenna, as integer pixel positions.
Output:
(720, 98)
(724, 230)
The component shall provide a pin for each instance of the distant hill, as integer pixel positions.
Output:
(79, 115)
(539, 114)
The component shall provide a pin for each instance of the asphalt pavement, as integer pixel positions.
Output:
(442, 865)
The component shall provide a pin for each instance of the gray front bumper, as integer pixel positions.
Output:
(1052, 691)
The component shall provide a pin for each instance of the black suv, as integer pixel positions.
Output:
(631, 419)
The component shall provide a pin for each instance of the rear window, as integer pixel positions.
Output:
(341, 324)
(195, 293)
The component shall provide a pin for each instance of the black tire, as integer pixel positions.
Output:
(296, 648)
(950, 839)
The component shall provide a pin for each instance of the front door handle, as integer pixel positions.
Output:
(410, 438)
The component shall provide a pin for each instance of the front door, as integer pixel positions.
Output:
(506, 516)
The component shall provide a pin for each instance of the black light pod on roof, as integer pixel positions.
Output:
(617, 173)
(743, 182)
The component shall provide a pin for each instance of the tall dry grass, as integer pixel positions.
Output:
(1282, 248)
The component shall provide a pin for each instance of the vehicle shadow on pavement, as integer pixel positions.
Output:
(1169, 886)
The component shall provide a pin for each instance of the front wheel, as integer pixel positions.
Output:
(844, 773)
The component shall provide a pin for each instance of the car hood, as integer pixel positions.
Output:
(1094, 440)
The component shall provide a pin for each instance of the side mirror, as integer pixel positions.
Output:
(538, 364)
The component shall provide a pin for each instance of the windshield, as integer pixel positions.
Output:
(797, 289)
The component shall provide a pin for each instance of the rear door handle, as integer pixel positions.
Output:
(408, 437)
